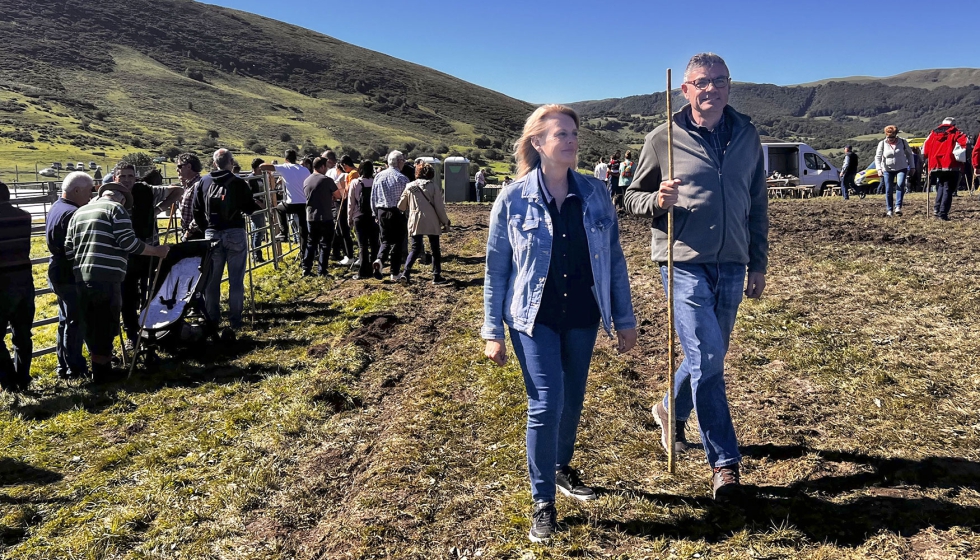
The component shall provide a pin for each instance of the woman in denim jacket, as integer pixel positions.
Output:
(555, 272)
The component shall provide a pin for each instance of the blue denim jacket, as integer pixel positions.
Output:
(519, 254)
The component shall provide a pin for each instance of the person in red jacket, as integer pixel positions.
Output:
(976, 157)
(943, 165)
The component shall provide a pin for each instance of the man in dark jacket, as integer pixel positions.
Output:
(220, 210)
(721, 248)
(147, 203)
(321, 192)
(76, 191)
(16, 294)
(847, 172)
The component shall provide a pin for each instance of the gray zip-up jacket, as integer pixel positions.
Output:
(722, 211)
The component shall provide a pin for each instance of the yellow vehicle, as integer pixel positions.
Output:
(869, 178)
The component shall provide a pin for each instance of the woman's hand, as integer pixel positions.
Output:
(627, 340)
(497, 353)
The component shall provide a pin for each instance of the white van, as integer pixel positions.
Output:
(800, 160)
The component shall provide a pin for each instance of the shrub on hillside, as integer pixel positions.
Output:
(208, 142)
(258, 148)
(213, 134)
(482, 141)
(285, 137)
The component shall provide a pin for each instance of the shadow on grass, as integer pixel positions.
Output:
(15, 473)
(886, 504)
(205, 362)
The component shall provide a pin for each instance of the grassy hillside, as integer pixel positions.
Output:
(927, 79)
(158, 76)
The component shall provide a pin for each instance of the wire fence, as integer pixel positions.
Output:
(37, 198)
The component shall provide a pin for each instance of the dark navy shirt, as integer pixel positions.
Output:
(55, 229)
(568, 301)
(716, 139)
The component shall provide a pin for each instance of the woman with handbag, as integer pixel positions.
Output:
(426, 206)
(555, 273)
(893, 160)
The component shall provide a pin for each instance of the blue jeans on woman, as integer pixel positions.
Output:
(706, 300)
(555, 365)
(894, 189)
(232, 249)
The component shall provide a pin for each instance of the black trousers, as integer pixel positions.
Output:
(284, 211)
(367, 243)
(418, 249)
(16, 310)
(394, 232)
(321, 237)
(946, 184)
(135, 288)
(343, 243)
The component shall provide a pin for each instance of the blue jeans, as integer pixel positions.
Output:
(894, 188)
(555, 367)
(233, 250)
(258, 235)
(706, 300)
(68, 341)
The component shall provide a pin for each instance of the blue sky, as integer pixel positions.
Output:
(548, 51)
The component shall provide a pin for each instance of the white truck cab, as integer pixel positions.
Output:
(800, 160)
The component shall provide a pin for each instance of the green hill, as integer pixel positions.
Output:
(84, 78)
(826, 116)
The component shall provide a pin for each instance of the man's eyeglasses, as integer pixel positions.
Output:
(179, 165)
(720, 82)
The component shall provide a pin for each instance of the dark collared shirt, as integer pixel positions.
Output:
(568, 301)
(716, 139)
(55, 230)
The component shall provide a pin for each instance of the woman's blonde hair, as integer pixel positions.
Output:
(891, 129)
(525, 154)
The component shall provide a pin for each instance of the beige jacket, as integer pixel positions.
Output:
(426, 207)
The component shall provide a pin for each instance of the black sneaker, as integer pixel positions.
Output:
(662, 419)
(439, 279)
(726, 483)
(571, 485)
(544, 521)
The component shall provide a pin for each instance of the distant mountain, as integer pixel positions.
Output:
(123, 74)
(928, 79)
(826, 116)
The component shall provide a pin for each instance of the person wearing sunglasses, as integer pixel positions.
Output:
(721, 247)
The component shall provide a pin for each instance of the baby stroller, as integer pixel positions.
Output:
(175, 316)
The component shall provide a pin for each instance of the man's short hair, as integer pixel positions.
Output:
(347, 160)
(192, 159)
(256, 163)
(703, 60)
(4, 192)
(77, 180)
(223, 158)
(394, 157)
(123, 165)
(290, 155)
(847, 148)
(330, 155)
(949, 120)
(320, 162)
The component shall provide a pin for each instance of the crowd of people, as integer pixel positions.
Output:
(105, 245)
(944, 158)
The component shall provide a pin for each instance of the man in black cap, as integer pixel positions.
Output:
(847, 172)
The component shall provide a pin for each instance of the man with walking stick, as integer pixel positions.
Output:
(721, 219)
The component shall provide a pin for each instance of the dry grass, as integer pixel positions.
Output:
(362, 423)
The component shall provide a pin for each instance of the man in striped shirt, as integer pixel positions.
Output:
(387, 191)
(99, 241)
(16, 294)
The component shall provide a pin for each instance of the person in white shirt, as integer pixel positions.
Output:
(481, 181)
(293, 175)
(601, 171)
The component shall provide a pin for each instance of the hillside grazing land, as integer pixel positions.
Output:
(358, 420)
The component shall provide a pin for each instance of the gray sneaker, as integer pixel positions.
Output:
(726, 483)
(662, 419)
(544, 521)
(570, 484)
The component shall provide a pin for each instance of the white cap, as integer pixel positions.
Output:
(949, 120)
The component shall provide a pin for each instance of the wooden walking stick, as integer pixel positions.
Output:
(171, 223)
(671, 337)
(928, 189)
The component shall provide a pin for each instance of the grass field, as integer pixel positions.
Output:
(358, 420)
